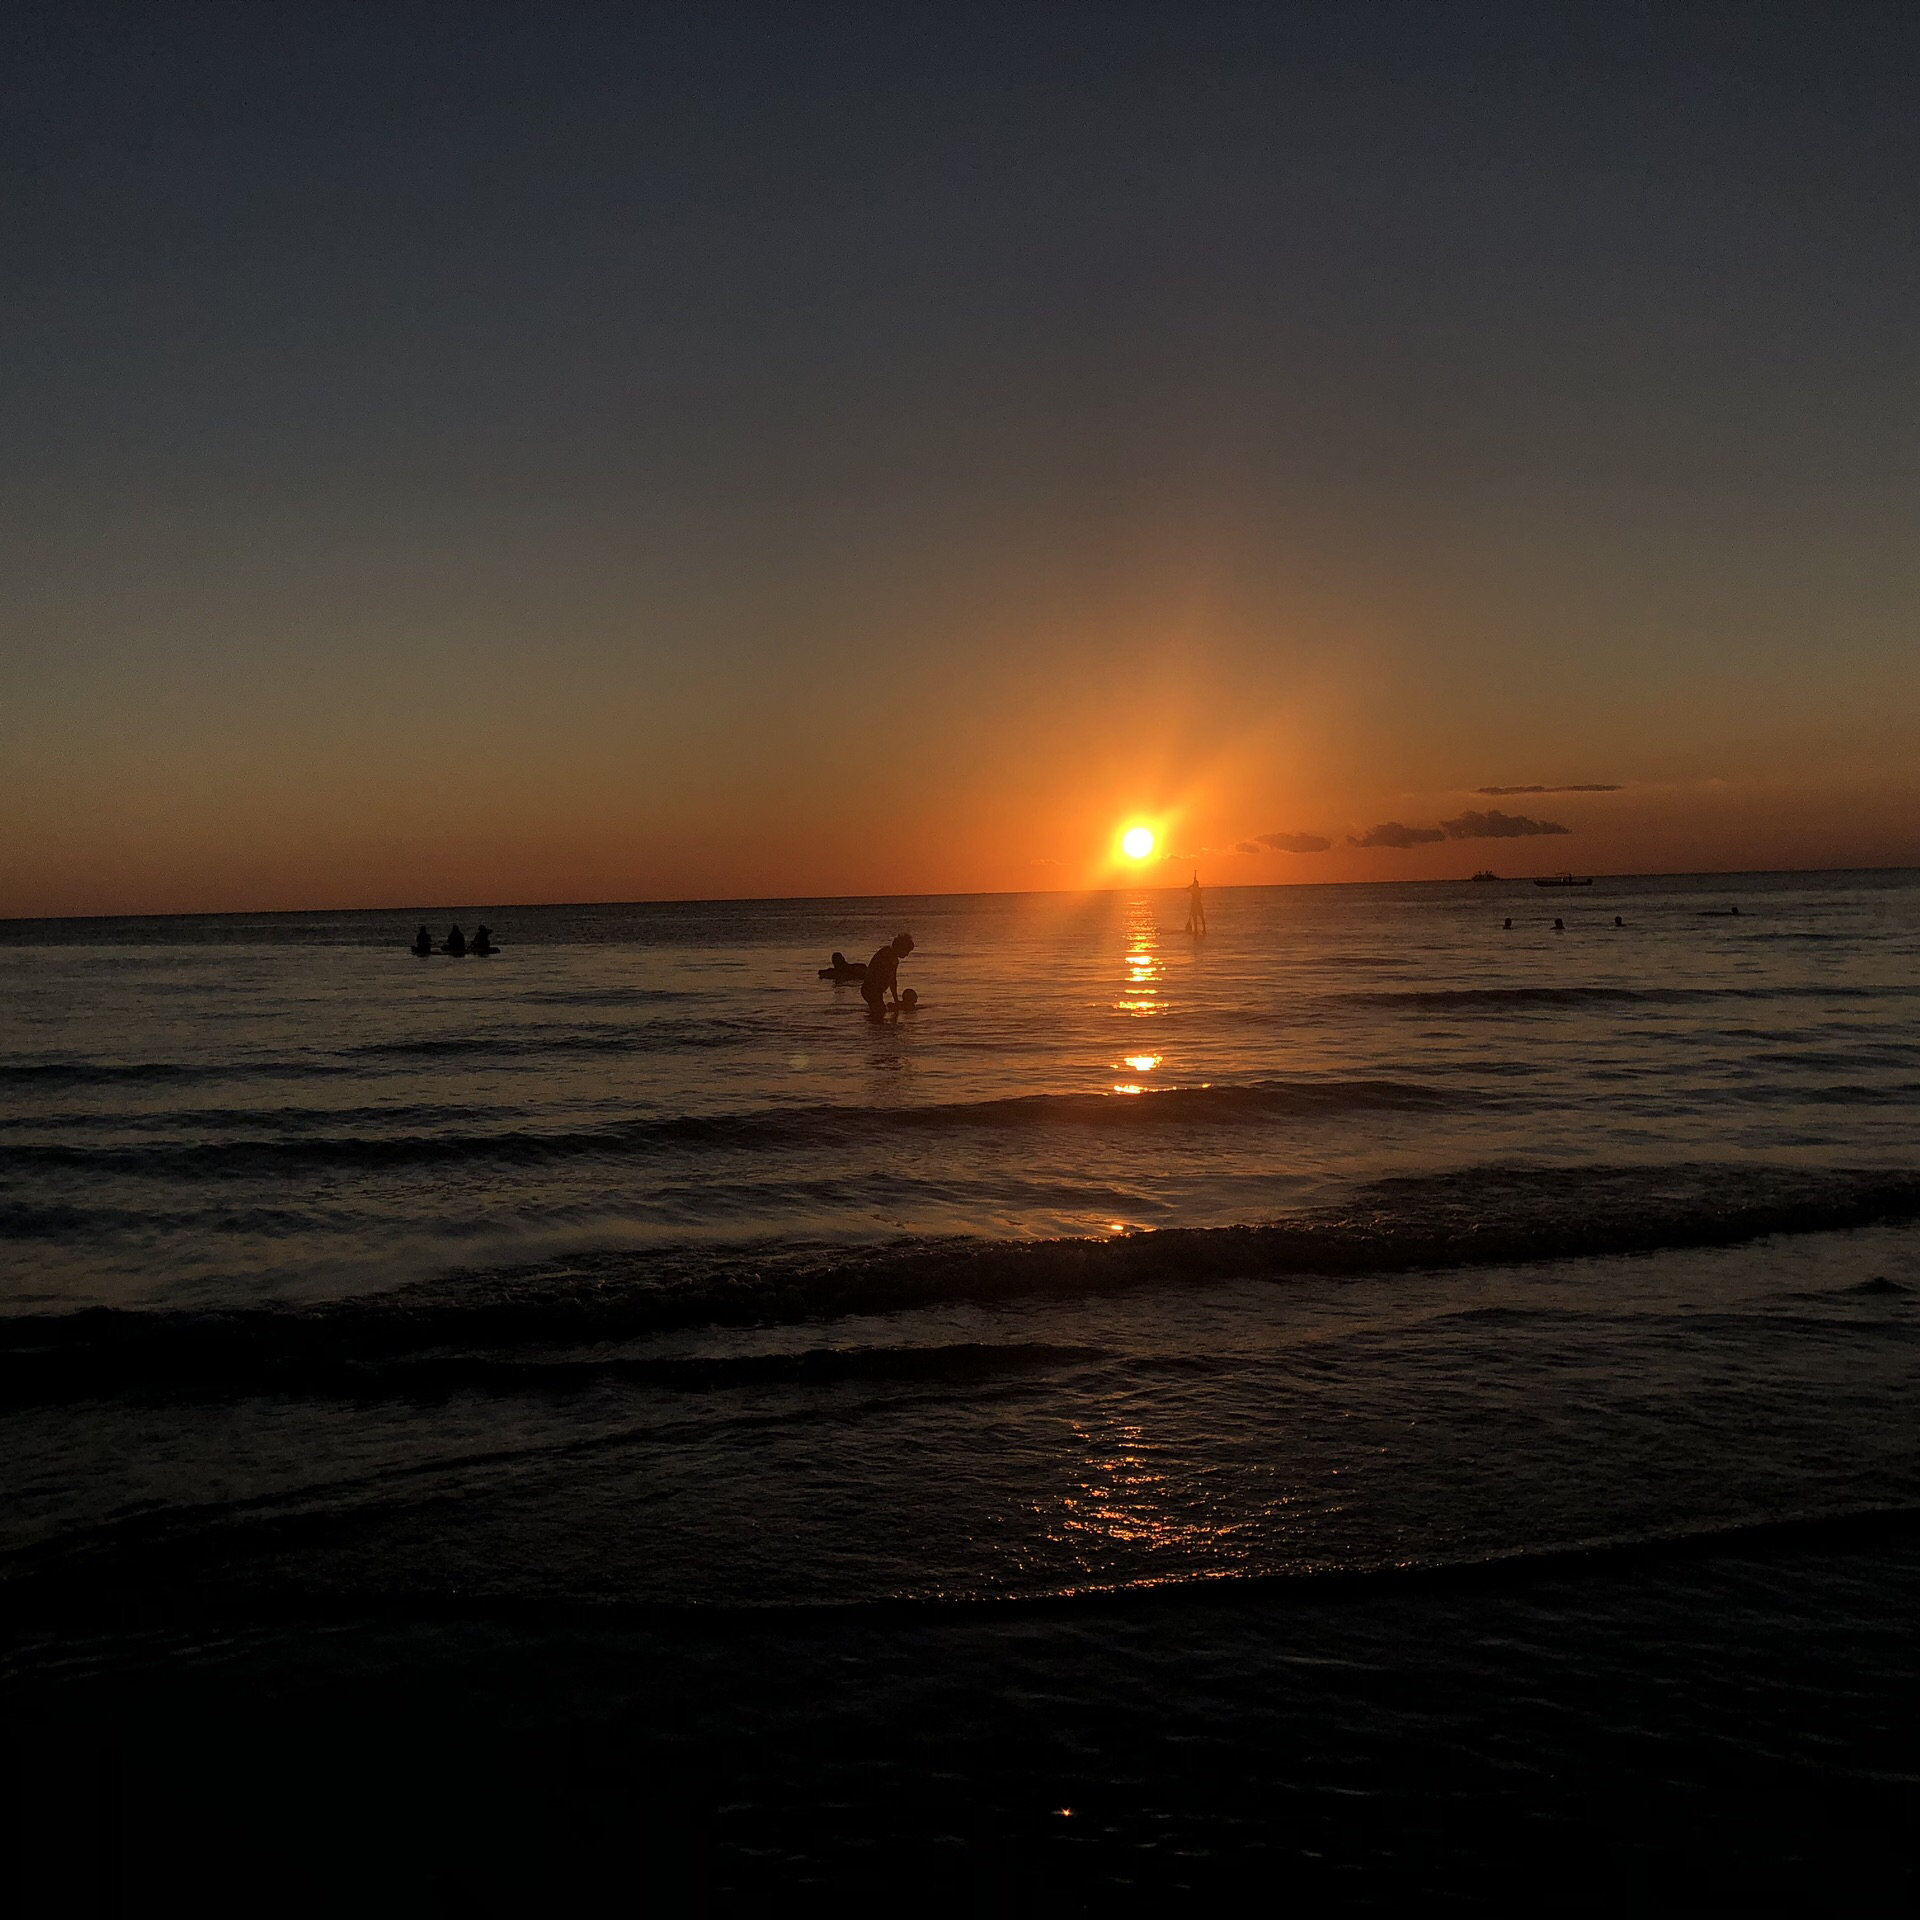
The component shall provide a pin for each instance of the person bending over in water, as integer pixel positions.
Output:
(423, 943)
(883, 974)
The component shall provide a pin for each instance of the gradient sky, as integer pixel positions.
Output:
(473, 454)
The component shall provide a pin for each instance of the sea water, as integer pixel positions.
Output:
(1142, 1255)
(637, 1266)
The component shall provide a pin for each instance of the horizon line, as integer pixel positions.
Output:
(976, 893)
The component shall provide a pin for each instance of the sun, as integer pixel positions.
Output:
(1137, 842)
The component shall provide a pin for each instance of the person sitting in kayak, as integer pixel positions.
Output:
(422, 943)
(456, 943)
(483, 941)
(883, 974)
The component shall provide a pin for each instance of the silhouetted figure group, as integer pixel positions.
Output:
(1559, 925)
(456, 944)
(878, 978)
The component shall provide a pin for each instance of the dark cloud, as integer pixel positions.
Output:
(1588, 786)
(1284, 843)
(1390, 833)
(1495, 825)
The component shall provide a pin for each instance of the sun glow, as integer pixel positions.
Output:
(1137, 842)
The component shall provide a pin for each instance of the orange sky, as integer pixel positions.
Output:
(260, 726)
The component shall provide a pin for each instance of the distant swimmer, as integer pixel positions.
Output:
(883, 974)
(1196, 906)
(1559, 926)
(483, 942)
(1618, 922)
(843, 969)
(455, 943)
(1506, 926)
(422, 944)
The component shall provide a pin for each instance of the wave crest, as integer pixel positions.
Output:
(1477, 1217)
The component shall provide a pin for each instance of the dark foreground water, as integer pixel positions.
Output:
(1370, 1400)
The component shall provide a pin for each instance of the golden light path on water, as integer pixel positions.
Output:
(1140, 996)
(1123, 1496)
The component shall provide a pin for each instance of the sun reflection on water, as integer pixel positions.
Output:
(1124, 1500)
(1142, 960)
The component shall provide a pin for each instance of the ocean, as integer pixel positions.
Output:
(1407, 1402)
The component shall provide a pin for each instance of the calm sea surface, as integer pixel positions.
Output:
(636, 1264)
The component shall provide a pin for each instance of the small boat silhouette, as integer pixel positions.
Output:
(1565, 880)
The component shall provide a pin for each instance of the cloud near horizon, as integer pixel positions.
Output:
(1284, 843)
(1495, 825)
(1390, 833)
(1587, 786)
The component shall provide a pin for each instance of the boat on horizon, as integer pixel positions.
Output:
(1486, 873)
(1564, 880)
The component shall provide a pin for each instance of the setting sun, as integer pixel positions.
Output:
(1137, 842)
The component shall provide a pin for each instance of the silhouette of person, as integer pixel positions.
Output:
(1618, 922)
(1559, 926)
(483, 941)
(456, 943)
(843, 969)
(422, 943)
(1733, 909)
(1506, 926)
(883, 974)
(1196, 906)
